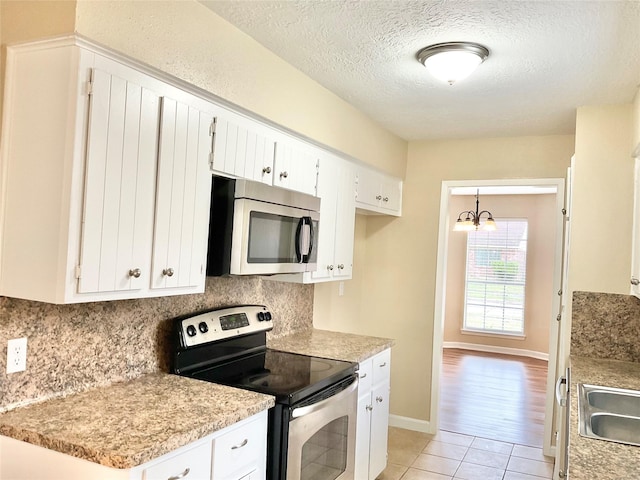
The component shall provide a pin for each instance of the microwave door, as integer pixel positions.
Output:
(267, 238)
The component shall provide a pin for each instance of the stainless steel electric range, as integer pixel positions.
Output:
(311, 432)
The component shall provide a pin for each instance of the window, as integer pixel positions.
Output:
(495, 279)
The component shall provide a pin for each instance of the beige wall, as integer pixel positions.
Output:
(602, 207)
(395, 286)
(540, 212)
(636, 120)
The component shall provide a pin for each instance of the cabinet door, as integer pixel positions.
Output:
(119, 186)
(363, 433)
(295, 168)
(182, 196)
(242, 150)
(368, 187)
(328, 183)
(635, 246)
(345, 221)
(391, 192)
(379, 429)
(241, 453)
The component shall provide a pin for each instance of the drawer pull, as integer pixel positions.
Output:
(383, 364)
(379, 399)
(240, 445)
(182, 475)
(364, 375)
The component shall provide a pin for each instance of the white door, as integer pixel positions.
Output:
(182, 196)
(345, 221)
(119, 185)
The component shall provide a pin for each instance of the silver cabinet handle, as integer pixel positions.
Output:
(379, 399)
(369, 408)
(635, 281)
(562, 401)
(384, 364)
(181, 475)
(364, 375)
(340, 267)
(284, 174)
(266, 170)
(135, 273)
(329, 267)
(168, 272)
(385, 199)
(378, 197)
(240, 445)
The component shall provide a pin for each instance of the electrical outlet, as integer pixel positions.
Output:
(17, 355)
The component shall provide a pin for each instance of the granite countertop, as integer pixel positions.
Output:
(127, 424)
(591, 458)
(334, 345)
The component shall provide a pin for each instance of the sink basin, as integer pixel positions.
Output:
(611, 414)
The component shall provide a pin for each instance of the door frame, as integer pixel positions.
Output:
(440, 295)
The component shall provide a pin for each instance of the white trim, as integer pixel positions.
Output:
(440, 291)
(410, 424)
(520, 352)
(488, 333)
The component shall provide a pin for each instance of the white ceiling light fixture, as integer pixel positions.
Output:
(452, 61)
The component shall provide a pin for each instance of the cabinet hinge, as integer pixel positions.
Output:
(559, 317)
(89, 87)
(564, 211)
(78, 271)
(212, 127)
(211, 159)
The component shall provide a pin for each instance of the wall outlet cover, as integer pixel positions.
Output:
(17, 355)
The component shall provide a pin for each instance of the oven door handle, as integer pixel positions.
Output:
(302, 411)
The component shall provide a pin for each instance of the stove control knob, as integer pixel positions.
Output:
(261, 317)
(203, 327)
(191, 330)
(267, 316)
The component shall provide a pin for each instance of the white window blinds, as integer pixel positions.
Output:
(496, 278)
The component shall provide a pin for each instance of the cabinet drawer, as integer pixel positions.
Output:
(239, 451)
(382, 366)
(194, 464)
(365, 376)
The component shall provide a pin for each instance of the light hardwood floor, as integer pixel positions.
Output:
(498, 397)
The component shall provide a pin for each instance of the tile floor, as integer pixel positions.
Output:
(448, 456)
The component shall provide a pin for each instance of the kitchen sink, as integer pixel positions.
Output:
(611, 414)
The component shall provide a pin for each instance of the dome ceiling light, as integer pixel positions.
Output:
(452, 61)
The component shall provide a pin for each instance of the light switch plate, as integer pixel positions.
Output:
(17, 355)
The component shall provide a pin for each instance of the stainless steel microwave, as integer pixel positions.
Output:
(258, 229)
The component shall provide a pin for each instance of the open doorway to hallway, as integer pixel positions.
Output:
(495, 379)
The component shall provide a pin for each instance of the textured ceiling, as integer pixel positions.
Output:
(547, 58)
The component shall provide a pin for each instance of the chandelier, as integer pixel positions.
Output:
(472, 219)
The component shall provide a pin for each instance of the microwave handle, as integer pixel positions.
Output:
(304, 239)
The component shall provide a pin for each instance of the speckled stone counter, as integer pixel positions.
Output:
(589, 458)
(334, 345)
(157, 413)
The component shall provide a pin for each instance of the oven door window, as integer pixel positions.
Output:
(324, 455)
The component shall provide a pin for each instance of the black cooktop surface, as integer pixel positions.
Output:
(287, 376)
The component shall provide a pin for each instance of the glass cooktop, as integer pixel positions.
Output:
(289, 377)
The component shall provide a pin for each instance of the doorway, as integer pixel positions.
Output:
(553, 187)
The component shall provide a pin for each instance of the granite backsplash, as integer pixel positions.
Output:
(72, 348)
(605, 325)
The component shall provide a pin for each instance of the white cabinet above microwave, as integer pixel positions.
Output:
(106, 181)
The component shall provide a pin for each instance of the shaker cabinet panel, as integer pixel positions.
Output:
(119, 185)
(183, 185)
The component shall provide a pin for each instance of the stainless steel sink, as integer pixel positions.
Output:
(611, 414)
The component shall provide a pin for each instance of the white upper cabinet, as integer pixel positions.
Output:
(182, 197)
(295, 166)
(635, 245)
(243, 148)
(336, 189)
(378, 192)
(106, 184)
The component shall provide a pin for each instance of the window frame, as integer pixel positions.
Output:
(496, 332)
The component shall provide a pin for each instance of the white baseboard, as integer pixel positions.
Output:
(494, 349)
(410, 424)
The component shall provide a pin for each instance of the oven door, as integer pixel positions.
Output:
(322, 437)
(270, 238)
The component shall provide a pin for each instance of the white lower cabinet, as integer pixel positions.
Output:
(373, 416)
(237, 452)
